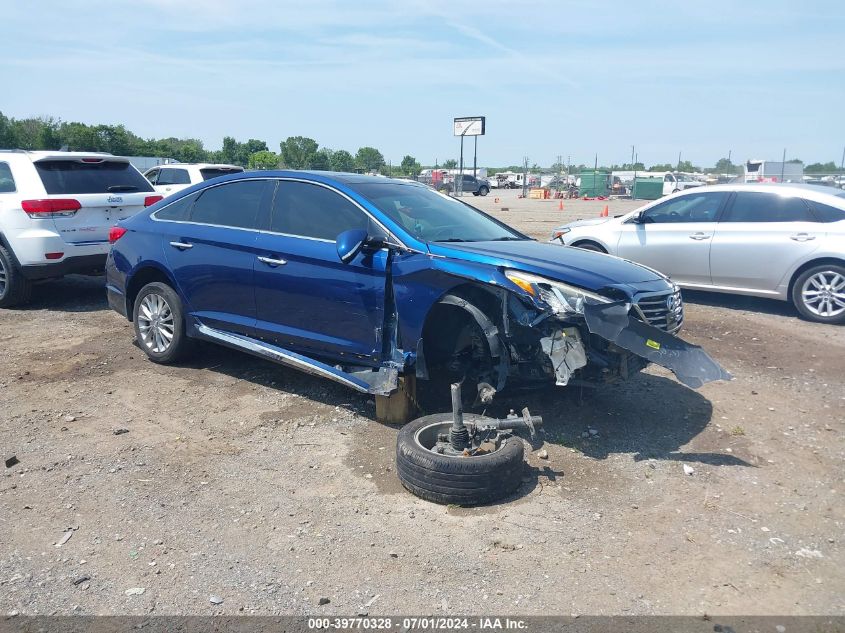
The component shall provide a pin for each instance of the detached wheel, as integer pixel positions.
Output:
(159, 323)
(819, 294)
(458, 480)
(15, 289)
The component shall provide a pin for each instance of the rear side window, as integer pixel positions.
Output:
(7, 183)
(107, 176)
(213, 172)
(152, 175)
(234, 204)
(313, 211)
(173, 177)
(754, 206)
(826, 213)
(177, 210)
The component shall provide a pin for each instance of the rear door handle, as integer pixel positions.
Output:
(699, 236)
(272, 262)
(182, 246)
(802, 237)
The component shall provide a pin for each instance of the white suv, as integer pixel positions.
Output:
(168, 179)
(56, 211)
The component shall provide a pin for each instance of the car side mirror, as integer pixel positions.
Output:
(349, 244)
(637, 219)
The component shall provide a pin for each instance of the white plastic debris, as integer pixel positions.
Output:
(688, 470)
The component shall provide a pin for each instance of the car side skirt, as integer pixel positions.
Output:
(381, 382)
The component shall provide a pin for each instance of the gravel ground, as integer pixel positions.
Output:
(231, 485)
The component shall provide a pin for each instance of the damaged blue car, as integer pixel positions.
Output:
(366, 280)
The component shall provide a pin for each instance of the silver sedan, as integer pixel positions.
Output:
(766, 240)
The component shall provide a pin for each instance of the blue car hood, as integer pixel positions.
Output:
(585, 269)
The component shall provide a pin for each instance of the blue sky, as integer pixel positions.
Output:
(571, 78)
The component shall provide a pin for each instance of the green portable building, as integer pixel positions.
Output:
(594, 183)
(647, 188)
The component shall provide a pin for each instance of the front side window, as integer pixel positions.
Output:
(173, 177)
(433, 217)
(753, 206)
(700, 207)
(234, 204)
(310, 210)
(7, 183)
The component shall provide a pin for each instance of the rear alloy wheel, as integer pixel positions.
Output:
(819, 293)
(159, 324)
(15, 289)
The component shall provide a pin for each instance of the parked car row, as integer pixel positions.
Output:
(767, 240)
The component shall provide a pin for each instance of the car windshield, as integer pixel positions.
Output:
(433, 217)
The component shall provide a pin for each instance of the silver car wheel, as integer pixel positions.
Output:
(823, 294)
(4, 278)
(155, 323)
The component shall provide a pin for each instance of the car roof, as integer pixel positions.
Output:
(819, 193)
(41, 154)
(200, 165)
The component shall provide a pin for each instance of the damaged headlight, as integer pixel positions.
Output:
(563, 299)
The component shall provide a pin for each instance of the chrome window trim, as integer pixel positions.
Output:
(389, 233)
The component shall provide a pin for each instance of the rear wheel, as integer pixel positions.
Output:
(159, 323)
(819, 293)
(15, 289)
(483, 191)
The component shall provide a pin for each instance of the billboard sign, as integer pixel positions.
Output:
(469, 126)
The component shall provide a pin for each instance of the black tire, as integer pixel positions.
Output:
(15, 289)
(805, 308)
(464, 481)
(179, 343)
(590, 246)
(483, 191)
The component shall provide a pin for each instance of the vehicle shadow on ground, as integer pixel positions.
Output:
(740, 302)
(649, 416)
(74, 293)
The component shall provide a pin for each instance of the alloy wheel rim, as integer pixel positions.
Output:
(155, 323)
(823, 294)
(4, 280)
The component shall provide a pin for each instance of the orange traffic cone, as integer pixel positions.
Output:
(604, 213)
(496, 201)
(560, 206)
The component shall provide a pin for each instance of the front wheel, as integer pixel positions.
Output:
(590, 246)
(483, 191)
(819, 293)
(461, 480)
(159, 323)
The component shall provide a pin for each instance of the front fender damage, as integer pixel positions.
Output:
(690, 363)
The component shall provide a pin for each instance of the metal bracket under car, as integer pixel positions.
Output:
(692, 365)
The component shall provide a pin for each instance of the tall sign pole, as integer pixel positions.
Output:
(468, 126)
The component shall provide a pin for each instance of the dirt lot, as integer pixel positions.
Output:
(269, 490)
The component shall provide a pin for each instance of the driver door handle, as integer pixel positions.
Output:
(699, 236)
(272, 262)
(182, 246)
(802, 237)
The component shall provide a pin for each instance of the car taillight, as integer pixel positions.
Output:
(151, 200)
(52, 207)
(115, 233)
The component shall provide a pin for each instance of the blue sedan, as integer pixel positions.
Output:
(362, 280)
